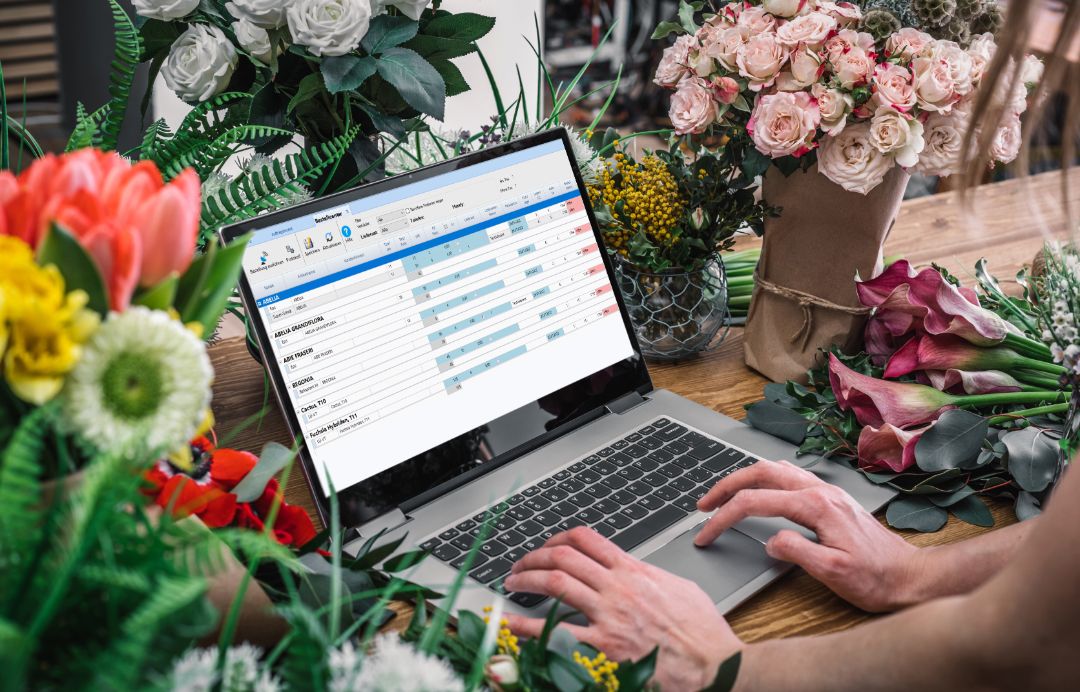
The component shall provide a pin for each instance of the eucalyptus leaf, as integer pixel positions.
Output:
(1027, 506)
(954, 441)
(420, 84)
(61, 249)
(916, 513)
(952, 498)
(1033, 458)
(777, 421)
(274, 457)
(973, 510)
(880, 478)
(777, 393)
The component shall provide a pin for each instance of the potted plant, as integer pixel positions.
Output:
(666, 217)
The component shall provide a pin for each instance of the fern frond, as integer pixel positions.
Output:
(263, 188)
(212, 154)
(87, 128)
(21, 498)
(125, 61)
(115, 578)
(155, 135)
(205, 122)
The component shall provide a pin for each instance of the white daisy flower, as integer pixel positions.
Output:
(241, 668)
(194, 671)
(142, 386)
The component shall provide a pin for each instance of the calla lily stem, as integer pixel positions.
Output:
(1037, 411)
(1028, 347)
(1003, 398)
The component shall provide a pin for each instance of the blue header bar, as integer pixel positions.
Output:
(419, 247)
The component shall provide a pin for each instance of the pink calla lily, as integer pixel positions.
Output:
(956, 381)
(888, 448)
(876, 402)
(944, 352)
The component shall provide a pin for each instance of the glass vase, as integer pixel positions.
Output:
(676, 313)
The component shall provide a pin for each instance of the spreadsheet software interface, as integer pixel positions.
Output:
(404, 319)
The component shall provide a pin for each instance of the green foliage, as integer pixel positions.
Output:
(125, 62)
(61, 249)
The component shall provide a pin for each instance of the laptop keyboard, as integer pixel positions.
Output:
(629, 491)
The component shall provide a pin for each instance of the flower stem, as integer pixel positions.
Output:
(1040, 366)
(1038, 410)
(1028, 347)
(1037, 380)
(1001, 398)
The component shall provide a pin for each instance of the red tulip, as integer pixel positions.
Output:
(888, 448)
(138, 229)
(876, 402)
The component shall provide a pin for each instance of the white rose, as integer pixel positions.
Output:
(165, 10)
(200, 63)
(329, 27)
(672, 67)
(1007, 139)
(254, 39)
(410, 8)
(269, 14)
(907, 43)
(811, 29)
(834, 106)
(724, 48)
(851, 161)
(897, 134)
(755, 20)
(783, 8)
(760, 60)
(784, 124)
(805, 69)
(845, 13)
(944, 141)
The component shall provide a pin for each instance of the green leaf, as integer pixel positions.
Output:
(415, 79)
(387, 31)
(434, 48)
(345, 73)
(307, 89)
(777, 421)
(726, 675)
(159, 297)
(157, 37)
(1027, 506)
(1033, 458)
(218, 272)
(80, 273)
(470, 628)
(451, 74)
(973, 510)
(916, 513)
(463, 26)
(954, 441)
(664, 29)
(754, 163)
(274, 457)
(880, 478)
(404, 561)
(566, 675)
(686, 17)
(949, 499)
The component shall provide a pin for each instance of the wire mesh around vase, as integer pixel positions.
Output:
(676, 314)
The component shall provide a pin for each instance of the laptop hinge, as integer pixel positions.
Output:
(387, 522)
(626, 402)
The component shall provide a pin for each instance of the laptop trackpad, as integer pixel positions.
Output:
(721, 569)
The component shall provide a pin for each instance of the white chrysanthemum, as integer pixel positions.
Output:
(395, 666)
(141, 387)
(345, 663)
(241, 668)
(195, 671)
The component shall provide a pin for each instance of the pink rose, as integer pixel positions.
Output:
(724, 46)
(725, 89)
(784, 124)
(845, 40)
(853, 68)
(811, 29)
(891, 86)
(755, 20)
(1007, 139)
(943, 135)
(804, 69)
(907, 43)
(760, 60)
(728, 14)
(981, 51)
(783, 8)
(673, 63)
(834, 106)
(845, 13)
(959, 63)
(852, 161)
(935, 88)
(692, 107)
(897, 134)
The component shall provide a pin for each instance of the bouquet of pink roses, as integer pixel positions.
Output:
(807, 83)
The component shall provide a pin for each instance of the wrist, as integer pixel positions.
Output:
(913, 579)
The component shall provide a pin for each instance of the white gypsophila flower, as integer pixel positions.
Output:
(410, 8)
(241, 668)
(200, 63)
(329, 27)
(142, 386)
(344, 663)
(269, 14)
(396, 666)
(267, 682)
(254, 39)
(165, 10)
(195, 671)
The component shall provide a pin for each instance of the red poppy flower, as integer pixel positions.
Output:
(229, 466)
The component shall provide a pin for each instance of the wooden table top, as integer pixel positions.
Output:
(1007, 227)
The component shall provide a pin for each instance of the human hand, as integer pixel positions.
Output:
(858, 558)
(632, 607)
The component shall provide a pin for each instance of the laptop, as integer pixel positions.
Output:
(452, 349)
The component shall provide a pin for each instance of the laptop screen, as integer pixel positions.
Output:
(402, 319)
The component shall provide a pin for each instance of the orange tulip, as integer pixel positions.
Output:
(138, 229)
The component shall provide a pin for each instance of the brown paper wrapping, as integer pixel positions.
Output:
(811, 254)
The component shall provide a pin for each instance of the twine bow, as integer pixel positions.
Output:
(807, 302)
